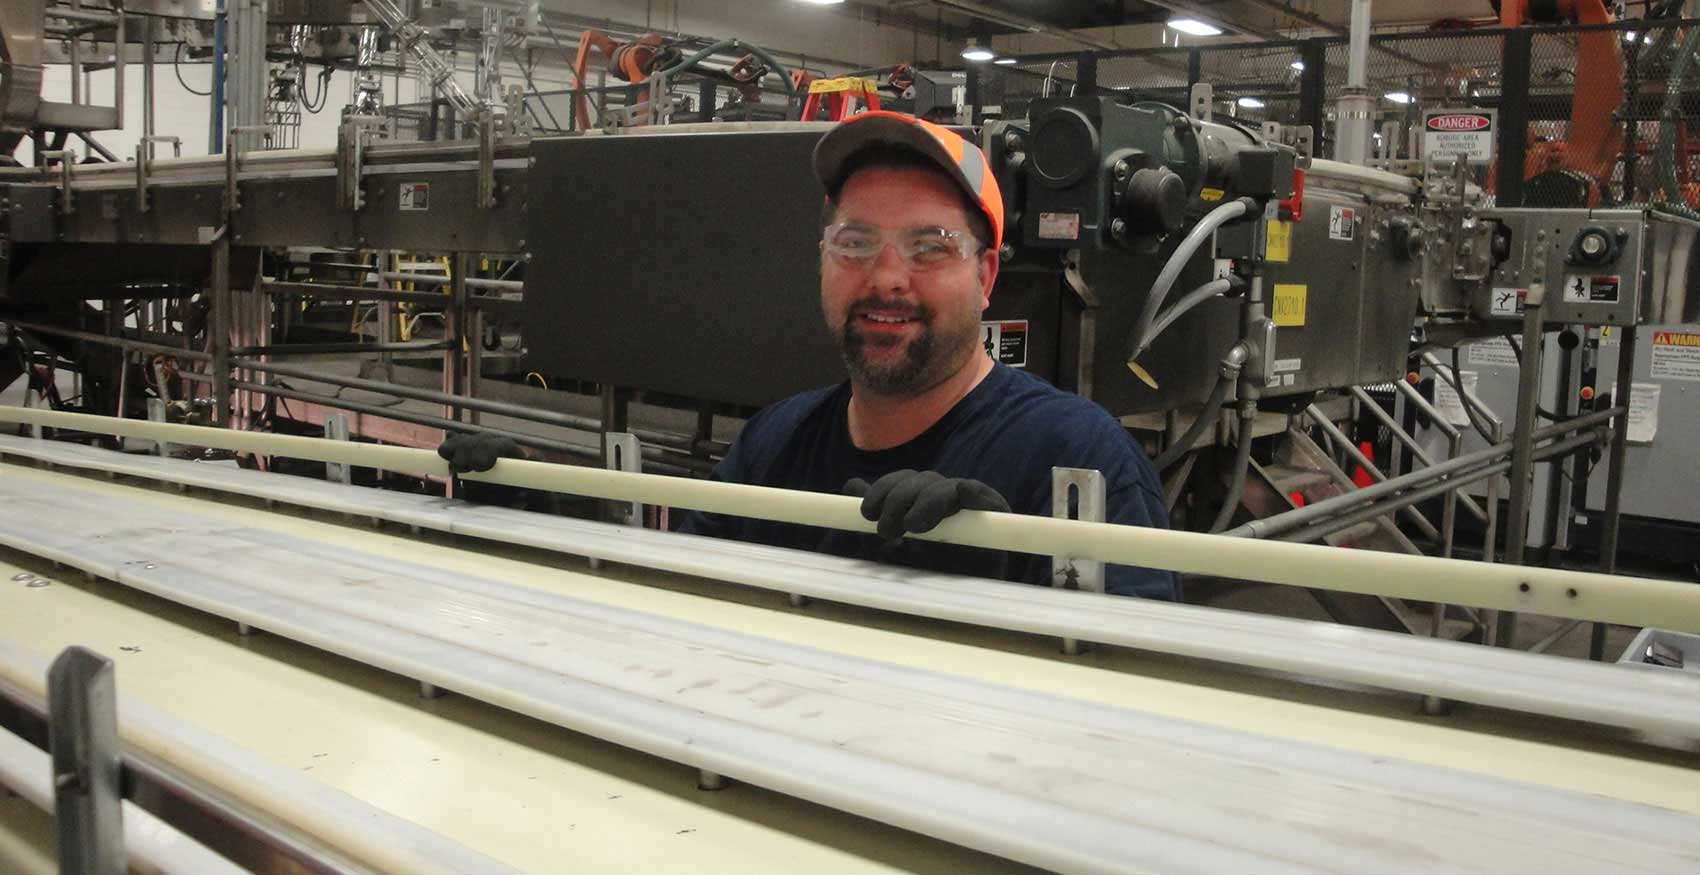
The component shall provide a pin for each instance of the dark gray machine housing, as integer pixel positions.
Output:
(689, 264)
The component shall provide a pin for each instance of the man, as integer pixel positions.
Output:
(927, 424)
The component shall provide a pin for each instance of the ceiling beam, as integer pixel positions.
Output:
(981, 11)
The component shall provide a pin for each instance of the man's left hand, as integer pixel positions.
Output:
(911, 502)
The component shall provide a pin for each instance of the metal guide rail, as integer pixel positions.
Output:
(216, 808)
(1046, 780)
(1553, 592)
(1662, 702)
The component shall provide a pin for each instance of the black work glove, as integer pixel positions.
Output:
(466, 453)
(911, 502)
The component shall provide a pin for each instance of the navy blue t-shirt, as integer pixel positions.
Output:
(1007, 433)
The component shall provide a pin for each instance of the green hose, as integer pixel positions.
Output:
(732, 45)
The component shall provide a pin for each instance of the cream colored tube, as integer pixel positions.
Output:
(365, 834)
(1558, 593)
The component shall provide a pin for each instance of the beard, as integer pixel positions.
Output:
(922, 363)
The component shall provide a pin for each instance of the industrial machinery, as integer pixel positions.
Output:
(1230, 295)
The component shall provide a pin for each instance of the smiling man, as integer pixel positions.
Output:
(927, 424)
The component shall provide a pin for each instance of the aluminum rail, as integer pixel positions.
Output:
(1435, 490)
(1275, 525)
(349, 837)
(658, 459)
(1555, 592)
(680, 442)
(1415, 448)
(193, 355)
(1054, 782)
(1661, 702)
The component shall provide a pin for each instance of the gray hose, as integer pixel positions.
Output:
(732, 45)
(1242, 461)
(1200, 232)
(1192, 299)
(1179, 448)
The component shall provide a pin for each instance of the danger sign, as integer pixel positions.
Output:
(1450, 132)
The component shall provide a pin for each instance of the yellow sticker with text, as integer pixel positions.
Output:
(1289, 310)
(1211, 194)
(1279, 243)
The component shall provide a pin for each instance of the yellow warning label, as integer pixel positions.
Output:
(1211, 194)
(1676, 338)
(1280, 241)
(848, 83)
(1289, 310)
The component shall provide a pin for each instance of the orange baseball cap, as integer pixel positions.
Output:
(961, 160)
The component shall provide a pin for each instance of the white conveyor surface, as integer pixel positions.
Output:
(1525, 589)
(1061, 783)
(1607, 693)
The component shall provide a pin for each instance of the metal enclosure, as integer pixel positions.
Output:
(621, 292)
(1661, 479)
(625, 288)
(1640, 271)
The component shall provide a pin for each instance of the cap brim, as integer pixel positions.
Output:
(845, 139)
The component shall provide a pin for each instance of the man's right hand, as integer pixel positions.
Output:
(467, 453)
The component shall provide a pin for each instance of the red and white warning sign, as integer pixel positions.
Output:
(1676, 355)
(1449, 132)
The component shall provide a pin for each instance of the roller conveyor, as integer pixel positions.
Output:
(1624, 696)
(1053, 781)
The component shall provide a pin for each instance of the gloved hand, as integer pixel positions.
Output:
(915, 501)
(477, 452)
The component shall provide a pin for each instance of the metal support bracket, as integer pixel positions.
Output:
(350, 148)
(624, 453)
(82, 701)
(156, 413)
(336, 428)
(486, 159)
(1086, 489)
(67, 160)
(144, 165)
(1203, 100)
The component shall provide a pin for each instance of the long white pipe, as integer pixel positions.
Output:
(1553, 592)
(151, 844)
(1653, 700)
(358, 830)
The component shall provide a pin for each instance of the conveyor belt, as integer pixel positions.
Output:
(1056, 782)
(1627, 696)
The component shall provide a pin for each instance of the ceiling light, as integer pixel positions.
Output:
(976, 52)
(1250, 103)
(823, 2)
(1297, 65)
(1397, 96)
(1194, 27)
(1004, 61)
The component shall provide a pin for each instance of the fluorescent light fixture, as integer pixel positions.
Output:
(823, 2)
(976, 52)
(1250, 103)
(1005, 61)
(1194, 27)
(1397, 97)
(1297, 65)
